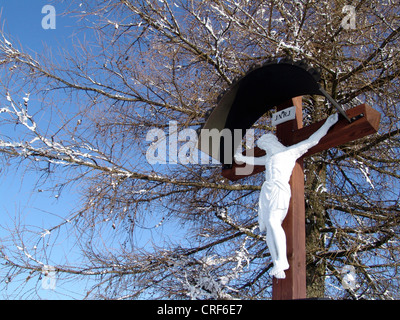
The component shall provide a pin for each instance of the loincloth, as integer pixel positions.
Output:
(275, 195)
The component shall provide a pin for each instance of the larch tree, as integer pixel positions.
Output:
(178, 229)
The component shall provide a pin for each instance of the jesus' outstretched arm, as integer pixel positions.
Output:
(254, 161)
(303, 146)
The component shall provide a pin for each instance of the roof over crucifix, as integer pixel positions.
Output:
(260, 90)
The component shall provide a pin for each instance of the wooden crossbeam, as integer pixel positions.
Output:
(365, 121)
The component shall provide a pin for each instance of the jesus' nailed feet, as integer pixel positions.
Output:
(278, 271)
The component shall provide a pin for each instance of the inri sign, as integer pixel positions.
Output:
(283, 115)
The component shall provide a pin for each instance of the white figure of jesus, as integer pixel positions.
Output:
(275, 192)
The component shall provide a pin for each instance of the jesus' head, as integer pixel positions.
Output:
(270, 143)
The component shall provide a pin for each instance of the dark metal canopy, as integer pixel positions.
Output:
(260, 90)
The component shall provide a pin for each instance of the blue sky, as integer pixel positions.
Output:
(21, 20)
(20, 198)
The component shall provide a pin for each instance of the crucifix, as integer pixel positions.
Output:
(281, 84)
(366, 121)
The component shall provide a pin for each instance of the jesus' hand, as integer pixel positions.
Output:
(332, 119)
(239, 158)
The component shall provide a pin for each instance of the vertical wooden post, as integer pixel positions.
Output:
(294, 285)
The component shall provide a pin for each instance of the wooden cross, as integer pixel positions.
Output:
(365, 121)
